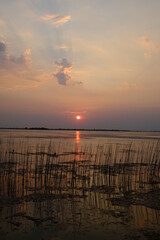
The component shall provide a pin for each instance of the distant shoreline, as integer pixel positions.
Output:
(76, 129)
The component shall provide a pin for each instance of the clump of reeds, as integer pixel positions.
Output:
(50, 172)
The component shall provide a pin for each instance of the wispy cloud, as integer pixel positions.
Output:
(149, 46)
(130, 87)
(2, 50)
(48, 17)
(1, 22)
(76, 112)
(62, 47)
(145, 42)
(12, 62)
(77, 83)
(62, 73)
(60, 20)
(14, 70)
(27, 56)
(56, 19)
(127, 85)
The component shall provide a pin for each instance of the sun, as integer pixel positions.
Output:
(78, 117)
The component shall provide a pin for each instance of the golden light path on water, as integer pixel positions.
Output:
(77, 136)
(77, 156)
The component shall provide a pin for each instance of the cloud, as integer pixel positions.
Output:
(126, 85)
(130, 86)
(60, 20)
(62, 47)
(149, 46)
(56, 19)
(145, 42)
(2, 47)
(62, 78)
(78, 83)
(11, 62)
(14, 70)
(2, 53)
(27, 56)
(147, 55)
(64, 64)
(76, 112)
(48, 17)
(2, 22)
(27, 52)
(62, 75)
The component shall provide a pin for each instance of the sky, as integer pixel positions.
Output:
(99, 59)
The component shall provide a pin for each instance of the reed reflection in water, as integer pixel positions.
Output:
(109, 189)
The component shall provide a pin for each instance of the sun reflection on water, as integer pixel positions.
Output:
(77, 146)
(77, 136)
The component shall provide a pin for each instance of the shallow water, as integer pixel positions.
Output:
(79, 185)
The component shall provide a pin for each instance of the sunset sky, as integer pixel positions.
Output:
(99, 59)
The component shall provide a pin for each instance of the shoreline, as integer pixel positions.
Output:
(78, 129)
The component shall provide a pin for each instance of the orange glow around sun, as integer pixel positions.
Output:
(78, 117)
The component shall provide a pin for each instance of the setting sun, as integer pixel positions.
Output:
(78, 117)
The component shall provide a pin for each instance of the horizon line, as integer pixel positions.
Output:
(76, 129)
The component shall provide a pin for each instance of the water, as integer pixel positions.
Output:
(79, 185)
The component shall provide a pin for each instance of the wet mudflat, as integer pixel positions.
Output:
(79, 186)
